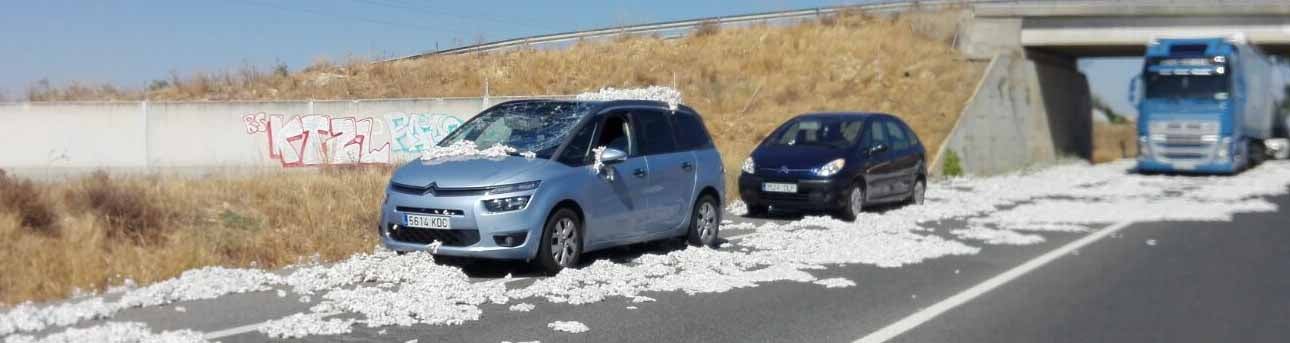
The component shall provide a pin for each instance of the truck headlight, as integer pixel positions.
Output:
(748, 166)
(833, 167)
(506, 204)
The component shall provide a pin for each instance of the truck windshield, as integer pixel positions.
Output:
(1214, 86)
(537, 126)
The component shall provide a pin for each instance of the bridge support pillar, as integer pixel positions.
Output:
(1029, 108)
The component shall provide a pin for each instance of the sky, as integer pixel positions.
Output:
(130, 43)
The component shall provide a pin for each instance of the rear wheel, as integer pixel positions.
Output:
(917, 194)
(705, 223)
(561, 241)
(854, 203)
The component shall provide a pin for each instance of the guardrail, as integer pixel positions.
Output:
(687, 25)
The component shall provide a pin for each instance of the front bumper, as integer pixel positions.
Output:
(812, 194)
(475, 233)
(1156, 166)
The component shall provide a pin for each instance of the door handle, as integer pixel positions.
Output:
(687, 166)
(640, 172)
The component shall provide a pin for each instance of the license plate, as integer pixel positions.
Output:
(426, 222)
(779, 187)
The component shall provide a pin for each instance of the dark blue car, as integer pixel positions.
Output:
(839, 162)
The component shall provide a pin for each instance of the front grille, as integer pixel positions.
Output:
(786, 196)
(452, 238)
(432, 211)
(437, 191)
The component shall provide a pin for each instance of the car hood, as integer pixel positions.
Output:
(469, 173)
(795, 157)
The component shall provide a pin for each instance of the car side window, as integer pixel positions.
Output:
(875, 134)
(656, 132)
(690, 132)
(910, 135)
(616, 133)
(577, 152)
(896, 135)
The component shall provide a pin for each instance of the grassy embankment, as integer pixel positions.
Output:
(96, 231)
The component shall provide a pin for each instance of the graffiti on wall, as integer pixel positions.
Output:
(314, 139)
(418, 132)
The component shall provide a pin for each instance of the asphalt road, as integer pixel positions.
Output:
(1157, 282)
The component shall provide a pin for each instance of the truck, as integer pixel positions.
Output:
(1208, 106)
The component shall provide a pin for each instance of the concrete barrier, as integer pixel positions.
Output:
(57, 139)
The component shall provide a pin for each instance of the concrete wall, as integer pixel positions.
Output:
(52, 139)
(1028, 109)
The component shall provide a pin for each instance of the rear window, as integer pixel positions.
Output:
(690, 132)
(656, 133)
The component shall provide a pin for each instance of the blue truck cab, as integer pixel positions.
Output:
(1206, 106)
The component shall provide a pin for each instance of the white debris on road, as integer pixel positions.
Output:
(305, 324)
(668, 95)
(1151, 242)
(112, 332)
(737, 208)
(418, 291)
(569, 326)
(996, 236)
(522, 307)
(835, 282)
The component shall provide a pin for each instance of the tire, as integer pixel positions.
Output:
(705, 223)
(1257, 154)
(917, 195)
(561, 242)
(854, 203)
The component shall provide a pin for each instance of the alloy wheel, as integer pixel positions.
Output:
(707, 223)
(564, 242)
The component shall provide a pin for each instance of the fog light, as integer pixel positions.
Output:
(510, 240)
(506, 204)
(1225, 147)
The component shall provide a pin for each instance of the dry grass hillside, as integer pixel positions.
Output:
(98, 231)
(744, 81)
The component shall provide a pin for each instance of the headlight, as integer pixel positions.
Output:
(517, 187)
(506, 204)
(833, 167)
(749, 167)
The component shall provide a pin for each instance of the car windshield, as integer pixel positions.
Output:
(537, 126)
(827, 132)
(1160, 86)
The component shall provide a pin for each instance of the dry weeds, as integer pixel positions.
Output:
(1114, 141)
(149, 228)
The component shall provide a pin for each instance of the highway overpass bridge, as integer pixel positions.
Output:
(1033, 105)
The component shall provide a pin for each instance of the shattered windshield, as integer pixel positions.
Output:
(535, 126)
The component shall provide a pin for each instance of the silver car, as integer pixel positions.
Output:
(576, 176)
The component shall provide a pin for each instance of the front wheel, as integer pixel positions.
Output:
(854, 203)
(705, 223)
(561, 241)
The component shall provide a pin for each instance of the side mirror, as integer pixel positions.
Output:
(877, 148)
(612, 156)
(1134, 94)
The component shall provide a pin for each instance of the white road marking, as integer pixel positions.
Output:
(245, 329)
(920, 317)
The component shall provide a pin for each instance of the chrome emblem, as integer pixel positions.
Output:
(783, 169)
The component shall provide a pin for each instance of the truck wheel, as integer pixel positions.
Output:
(1257, 154)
